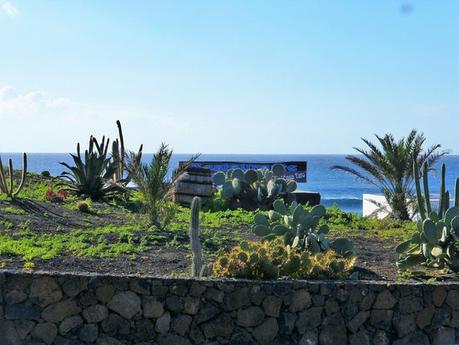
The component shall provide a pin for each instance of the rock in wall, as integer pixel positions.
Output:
(76, 309)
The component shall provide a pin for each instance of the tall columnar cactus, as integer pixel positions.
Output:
(118, 153)
(423, 200)
(6, 186)
(435, 243)
(254, 189)
(196, 249)
(119, 156)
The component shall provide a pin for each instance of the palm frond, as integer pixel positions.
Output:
(388, 166)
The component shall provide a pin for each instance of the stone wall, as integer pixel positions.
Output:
(68, 309)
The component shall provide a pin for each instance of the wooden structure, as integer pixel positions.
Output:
(193, 182)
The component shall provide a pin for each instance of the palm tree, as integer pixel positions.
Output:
(154, 185)
(390, 167)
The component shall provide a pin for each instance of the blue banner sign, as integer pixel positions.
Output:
(293, 170)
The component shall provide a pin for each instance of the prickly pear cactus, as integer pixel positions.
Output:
(272, 259)
(299, 228)
(254, 189)
(251, 260)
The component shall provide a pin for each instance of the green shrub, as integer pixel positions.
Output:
(83, 206)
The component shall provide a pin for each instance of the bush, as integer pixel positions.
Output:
(271, 260)
(57, 197)
(83, 206)
(45, 173)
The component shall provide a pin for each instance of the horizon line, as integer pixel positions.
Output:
(224, 153)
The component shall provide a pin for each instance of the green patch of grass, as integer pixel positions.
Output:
(15, 211)
(109, 241)
(133, 203)
(228, 218)
(6, 224)
(24, 225)
(31, 246)
(36, 190)
(218, 230)
(349, 224)
(219, 219)
(28, 266)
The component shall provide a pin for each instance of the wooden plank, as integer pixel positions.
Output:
(193, 189)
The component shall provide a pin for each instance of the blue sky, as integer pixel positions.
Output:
(227, 76)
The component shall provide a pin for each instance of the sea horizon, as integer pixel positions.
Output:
(335, 187)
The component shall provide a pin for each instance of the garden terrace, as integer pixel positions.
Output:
(113, 238)
(80, 309)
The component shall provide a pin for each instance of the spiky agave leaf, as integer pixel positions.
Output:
(92, 176)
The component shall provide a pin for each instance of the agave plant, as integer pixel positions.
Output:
(92, 174)
(389, 167)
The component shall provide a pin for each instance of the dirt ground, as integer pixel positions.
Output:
(375, 257)
(374, 264)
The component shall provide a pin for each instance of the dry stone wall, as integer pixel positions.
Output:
(105, 310)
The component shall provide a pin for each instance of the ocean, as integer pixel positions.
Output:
(335, 187)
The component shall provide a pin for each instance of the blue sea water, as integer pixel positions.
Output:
(335, 187)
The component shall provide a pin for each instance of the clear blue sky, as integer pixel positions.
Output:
(228, 76)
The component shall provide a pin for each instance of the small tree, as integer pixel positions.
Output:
(152, 182)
